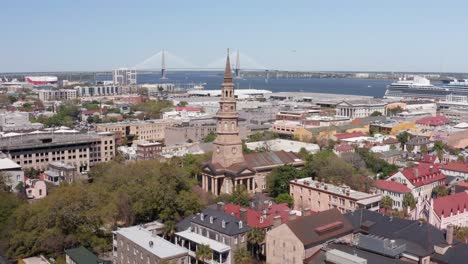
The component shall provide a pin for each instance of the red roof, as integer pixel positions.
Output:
(433, 121)
(423, 174)
(343, 147)
(456, 166)
(90, 112)
(349, 135)
(429, 158)
(258, 218)
(188, 108)
(451, 204)
(391, 186)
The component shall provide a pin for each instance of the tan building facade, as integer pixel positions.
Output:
(81, 150)
(318, 196)
(151, 130)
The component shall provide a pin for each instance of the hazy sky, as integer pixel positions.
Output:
(396, 35)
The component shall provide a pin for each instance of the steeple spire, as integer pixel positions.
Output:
(227, 70)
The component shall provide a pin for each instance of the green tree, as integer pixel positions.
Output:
(409, 200)
(285, 198)
(403, 138)
(376, 113)
(303, 153)
(240, 196)
(386, 202)
(203, 253)
(183, 103)
(461, 233)
(169, 230)
(242, 256)
(152, 108)
(279, 178)
(440, 191)
(210, 137)
(256, 237)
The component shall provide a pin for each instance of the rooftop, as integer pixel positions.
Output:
(391, 186)
(433, 121)
(423, 174)
(8, 164)
(46, 139)
(318, 228)
(199, 239)
(151, 243)
(333, 189)
(220, 221)
(456, 166)
(340, 136)
(451, 204)
(81, 255)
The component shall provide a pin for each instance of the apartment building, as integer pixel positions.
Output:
(57, 95)
(196, 130)
(151, 130)
(98, 90)
(148, 150)
(80, 150)
(394, 190)
(420, 179)
(17, 121)
(318, 196)
(136, 244)
(124, 76)
(222, 232)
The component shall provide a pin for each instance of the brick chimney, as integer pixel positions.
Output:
(416, 172)
(431, 169)
(243, 215)
(449, 235)
(292, 216)
(220, 206)
(276, 221)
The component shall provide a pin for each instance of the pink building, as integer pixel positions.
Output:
(35, 189)
(444, 211)
(318, 196)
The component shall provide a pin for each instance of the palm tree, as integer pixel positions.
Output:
(256, 237)
(169, 230)
(203, 252)
(242, 256)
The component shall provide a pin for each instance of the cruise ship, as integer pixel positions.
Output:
(420, 87)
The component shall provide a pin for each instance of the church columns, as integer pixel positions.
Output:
(248, 185)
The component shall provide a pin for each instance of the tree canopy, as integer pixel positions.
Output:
(86, 213)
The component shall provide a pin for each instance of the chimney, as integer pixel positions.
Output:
(431, 169)
(243, 214)
(416, 172)
(276, 221)
(292, 216)
(449, 234)
(348, 192)
(306, 211)
(220, 206)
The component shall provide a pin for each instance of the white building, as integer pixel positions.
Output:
(57, 95)
(17, 121)
(98, 90)
(137, 244)
(455, 169)
(360, 108)
(394, 190)
(12, 171)
(283, 144)
(124, 76)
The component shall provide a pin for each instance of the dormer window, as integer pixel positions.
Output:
(241, 224)
(223, 224)
(261, 219)
(202, 217)
(211, 219)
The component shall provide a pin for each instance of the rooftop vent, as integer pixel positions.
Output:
(151, 244)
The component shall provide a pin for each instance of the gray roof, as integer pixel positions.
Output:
(81, 255)
(231, 228)
(420, 238)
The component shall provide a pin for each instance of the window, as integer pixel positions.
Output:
(235, 240)
(241, 224)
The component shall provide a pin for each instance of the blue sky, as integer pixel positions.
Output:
(358, 35)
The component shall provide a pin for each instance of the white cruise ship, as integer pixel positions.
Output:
(420, 87)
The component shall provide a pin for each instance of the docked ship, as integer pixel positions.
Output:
(420, 87)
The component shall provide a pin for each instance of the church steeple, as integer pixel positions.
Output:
(227, 70)
(227, 148)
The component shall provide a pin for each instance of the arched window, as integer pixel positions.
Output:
(225, 125)
(232, 125)
(40, 191)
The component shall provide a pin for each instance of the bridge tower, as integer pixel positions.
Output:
(237, 69)
(163, 66)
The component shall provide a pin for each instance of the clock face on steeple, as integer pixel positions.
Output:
(234, 150)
